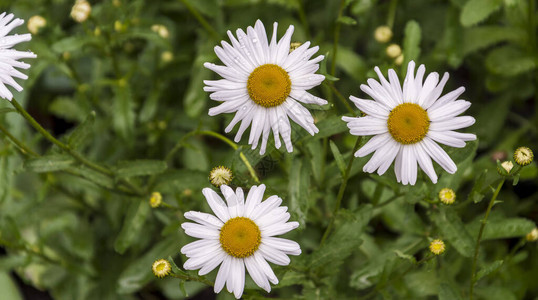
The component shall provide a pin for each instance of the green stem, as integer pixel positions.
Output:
(302, 17)
(396, 196)
(68, 149)
(392, 13)
(24, 149)
(192, 278)
(220, 137)
(480, 233)
(201, 20)
(340, 96)
(341, 191)
(337, 36)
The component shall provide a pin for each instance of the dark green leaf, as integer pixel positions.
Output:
(196, 98)
(298, 191)
(137, 213)
(489, 269)
(411, 43)
(507, 228)
(509, 61)
(351, 63)
(338, 157)
(80, 135)
(475, 11)
(140, 167)
(124, 114)
(447, 292)
(478, 38)
(453, 230)
(478, 192)
(93, 176)
(49, 163)
(346, 20)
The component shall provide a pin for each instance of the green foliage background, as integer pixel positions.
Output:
(103, 88)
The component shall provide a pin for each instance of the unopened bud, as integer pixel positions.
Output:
(383, 34)
(81, 11)
(35, 23)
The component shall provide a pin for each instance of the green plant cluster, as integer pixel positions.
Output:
(125, 115)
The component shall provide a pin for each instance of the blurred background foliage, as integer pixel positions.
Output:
(128, 95)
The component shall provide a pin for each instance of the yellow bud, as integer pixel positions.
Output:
(393, 51)
(161, 268)
(81, 11)
(447, 196)
(532, 236)
(161, 30)
(294, 45)
(383, 34)
(155, 200)
(35, 23)
(399, 60)
(523, 156)
(437, 247)
(507, 166)
(167, 57)
(220, 175)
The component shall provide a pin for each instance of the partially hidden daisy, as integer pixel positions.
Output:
(264, 84)
(407, 124)
(9, 57)
(242, 235)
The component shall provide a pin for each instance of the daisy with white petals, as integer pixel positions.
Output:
(264, 83)
(407, 124)
(9, 57)
(242, 235)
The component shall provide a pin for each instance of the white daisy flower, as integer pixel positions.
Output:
(241, 235)
(9, 57)
(406, 124)
(264, 83)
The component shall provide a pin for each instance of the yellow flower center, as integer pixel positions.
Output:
(437, 247)
(269, 85)
(240, 237)
(161, 268)
(447, 196)
(408, 123)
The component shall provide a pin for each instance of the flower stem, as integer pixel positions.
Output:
(340, 96)
(201, 20)
(302, 17)
(24, 149)
(69, 150)
(341, 191)
(480, 233)
(192, 278)
(337, 36)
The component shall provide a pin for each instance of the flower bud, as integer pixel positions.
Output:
(81, 11)
(393, 51)
(155, 200)
(505, 168)
(220, 175)
(399, 60)
(294, 45)
(383, 34)
(161, 268)
(532, 236)
(437, 247)
(167, 57)
(447, 196)
(161, 30)
(523, 156)
(35, 23)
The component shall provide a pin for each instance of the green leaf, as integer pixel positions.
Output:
(298, 190)
(477, 38)
(338, 157)
(447, 292)
(453, 230)
(292, 278)
(79, 136)
(408, 257)
(351, 63)
(68, 109)
(49, 163)
(475, 11)
(489, 269)
(411, 43)
(140, 167)
(509, 61)
(507, 228)
(329, 126)
(478, 192)
(9, 287)
(173, 181)
(124, 114)
(5, 110)
(343, 240)
(138, 272)
(93, 176)
(137, 213)
(346, 20)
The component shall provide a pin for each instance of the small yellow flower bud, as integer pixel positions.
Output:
(118, 26)
(161, 30)
(523, 156)
(81, 11)
(532, 236)
(447, 196)
(399, 60)
(220, 175)
(155, 200)
(161, 268)
(507, 166)
(97, 31)
(35, 23)
(383, 34)
(187, 193)
(393, 51)
(294, 45)
(437, 247)
(167, 57)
